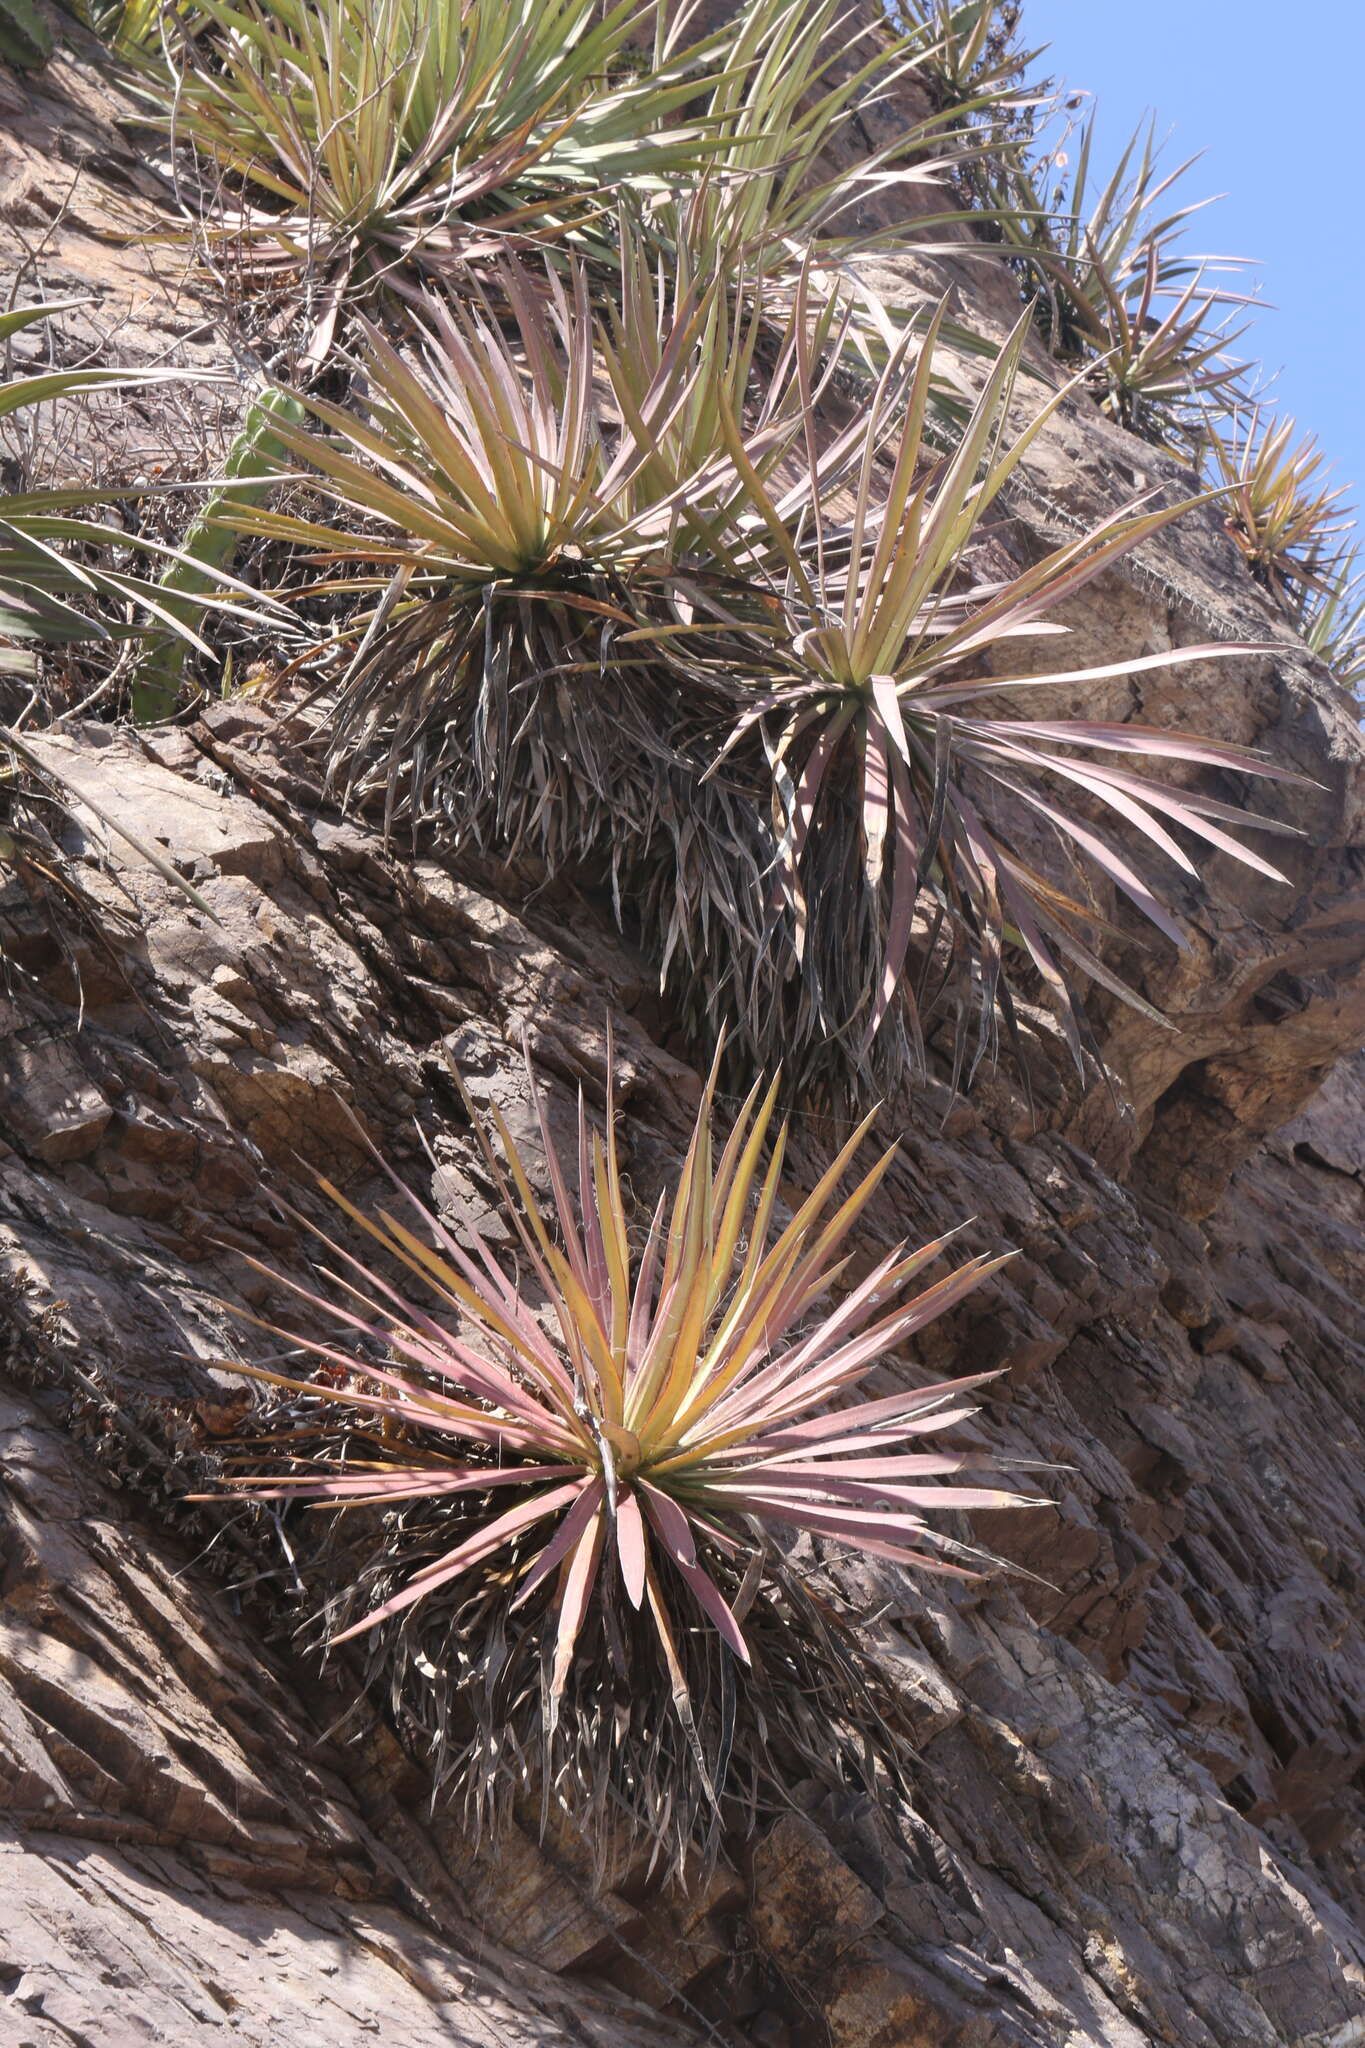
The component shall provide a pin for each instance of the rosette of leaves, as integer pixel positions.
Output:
(901, 770)
(366, 138)
(540, 500)
(969, 56)
(1288, 521)
(581, 1477)
(1161, 353)
(1123, 298)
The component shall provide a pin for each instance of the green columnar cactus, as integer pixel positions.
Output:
(209, 546)
(25, 38)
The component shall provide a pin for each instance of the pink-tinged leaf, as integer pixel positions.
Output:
(893, 1408)
(439, 1352)
(891, 1420)
(1097, 783)
(1156, 740)
(778, 1448)
(422, 1411)
(467, 1289)
(578, 1585)
(855, 1306)
(1112, 864)
(322, 1496)
(455, 1361)
(631, 1549)
(1194, 812)
(867, 1539)
(637, 1339)
(564, 1206)
(591, 1497)
(487, 1280)
(472, 1551)
(709, 1598)
(854, 1522)
(829, 1489)
(1067, 570)
(797, 1466)
(852, 1360)
(674, 1529)
(951, 695)
(591, 1223)
(887, 702)
(422, 1479)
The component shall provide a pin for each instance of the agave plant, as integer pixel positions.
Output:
(524, 674)
(794, 77)
(651, 1427)
(1289, 523)
(968, 54)
(894, 781)
(1123, 298)
(1160, 358)
(1107, 231)
(367, 135)
(1333, 624)
(510, 501)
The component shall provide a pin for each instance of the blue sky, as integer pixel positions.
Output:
(1272, 94)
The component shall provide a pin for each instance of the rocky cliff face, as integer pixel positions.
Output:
(1137, 1812)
